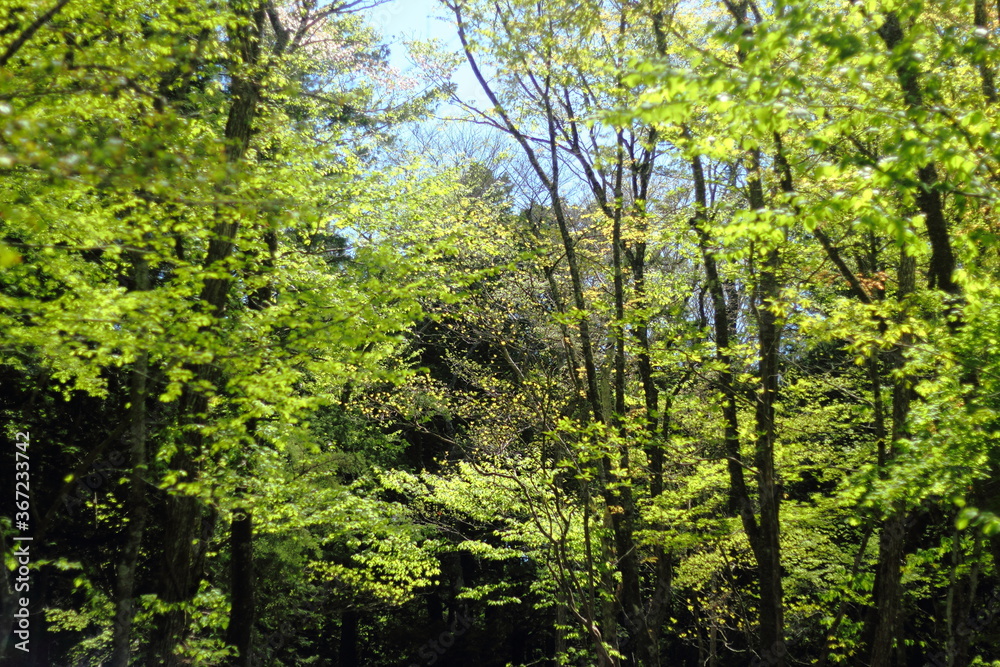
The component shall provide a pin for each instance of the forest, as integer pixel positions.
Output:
(677, 343)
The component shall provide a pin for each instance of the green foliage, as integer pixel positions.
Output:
(496, 392)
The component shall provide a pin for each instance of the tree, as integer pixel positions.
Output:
(196, 222)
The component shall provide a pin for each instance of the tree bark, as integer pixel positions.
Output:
(986, 76)
(769, 558)
(739, 496)
(348, 654)
(624, 521)
(242, 613)
(928, 198)
(188, 523)
(888, 589)
(243, 583)
(137, 504)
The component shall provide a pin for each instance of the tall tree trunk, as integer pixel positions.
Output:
(763, 537)
(137, 508)
(658, 440)
(888, 589)
(243, 583)
(739, 496)
(560, 639)
(348, 654)
(928, 197)
(624, 514)
(769, 558)
(772, 623)
(190, 527)
(243, 603)
(610, 606)
(986, 75)
(188, 523)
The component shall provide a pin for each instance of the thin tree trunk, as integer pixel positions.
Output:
(928, 198)
(623, 521)
(772, 624)
(831, 634)
(618, 499)
(739, 497)
(951, 603)
(348, 654)
(763, 537)
(986, 75)
(888, 589)
(242, 613)
(560, 638)
(137, 508)
(243, 583)
(654, 451)
(661, 605)
(769, 558)
(609, 606)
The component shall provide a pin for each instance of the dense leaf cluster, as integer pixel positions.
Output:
(690, 357)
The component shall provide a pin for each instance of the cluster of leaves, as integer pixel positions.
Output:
(708, 376)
